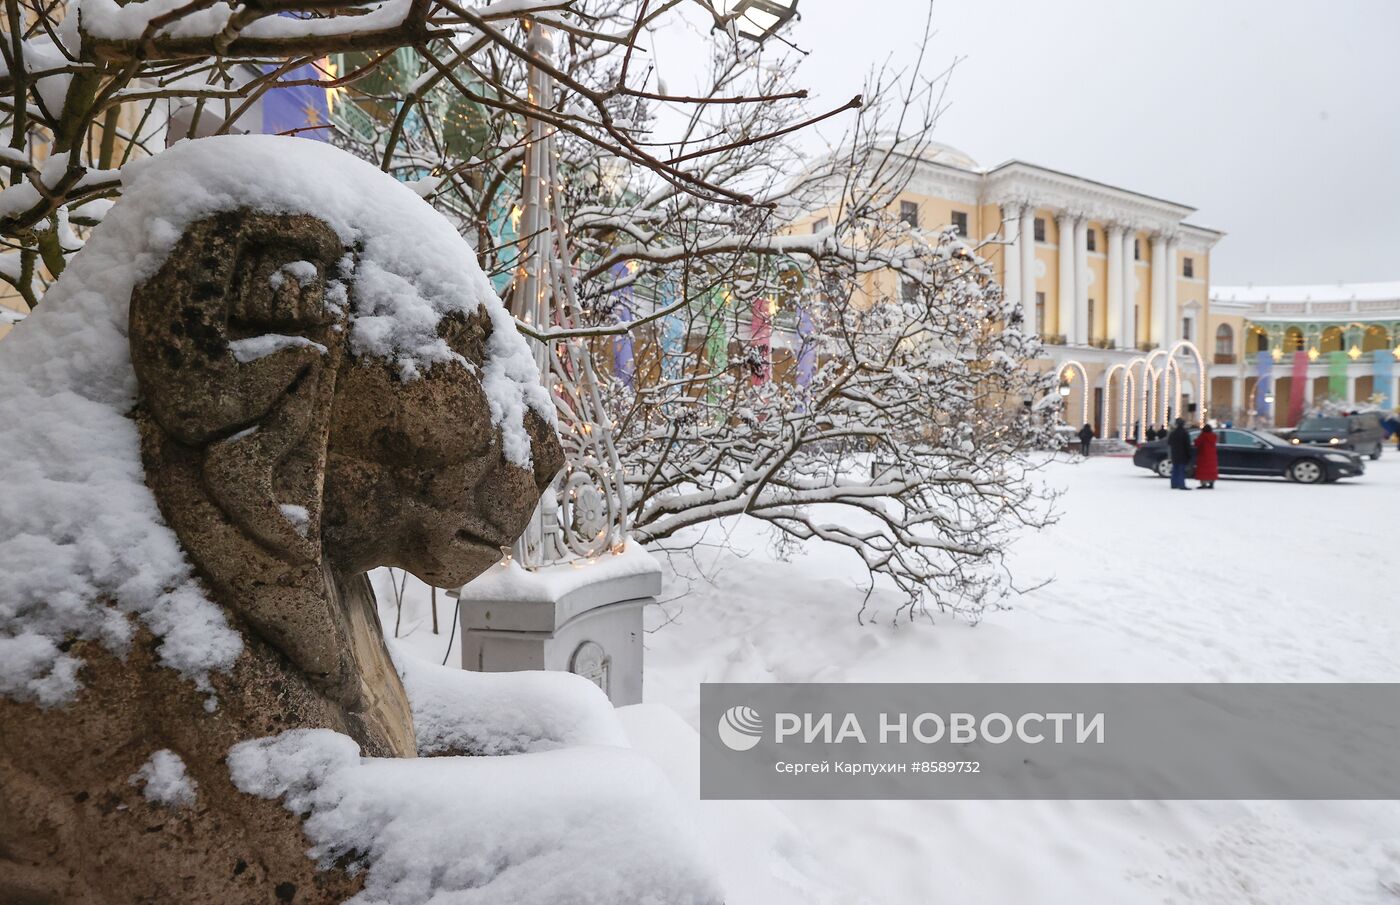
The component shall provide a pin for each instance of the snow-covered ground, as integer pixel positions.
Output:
(1255, 581)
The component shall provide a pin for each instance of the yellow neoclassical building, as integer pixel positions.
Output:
(1116, 282)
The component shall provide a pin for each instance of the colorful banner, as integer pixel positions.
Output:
(761, 340)
(300, 110)
(1297, 387)
(624, 359)
(1383, 367)
(672, 336)
(1264, 386)
(1337, 375)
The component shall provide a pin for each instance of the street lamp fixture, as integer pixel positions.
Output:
(1268, 398)
(757, 20)
(1064, 389)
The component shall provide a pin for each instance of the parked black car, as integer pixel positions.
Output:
(1245, 452)
(1360, 433)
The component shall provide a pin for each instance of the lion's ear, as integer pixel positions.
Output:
(233, 342)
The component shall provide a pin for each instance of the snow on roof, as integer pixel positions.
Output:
(938, 152)
(82, 541)
(1333, 292)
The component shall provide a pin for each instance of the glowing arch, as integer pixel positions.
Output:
(1202, 380)
(1154, 395)
(1083, 384)
(1125, 394)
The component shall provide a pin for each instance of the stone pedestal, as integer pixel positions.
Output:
(583, 618)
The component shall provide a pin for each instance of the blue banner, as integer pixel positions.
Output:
(1383, 369)
(301, 110)
(1264, 386)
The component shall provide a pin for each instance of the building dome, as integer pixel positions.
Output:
(949, 156)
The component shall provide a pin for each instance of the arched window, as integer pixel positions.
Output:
(1224, 340)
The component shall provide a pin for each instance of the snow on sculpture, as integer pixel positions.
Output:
(271, 369)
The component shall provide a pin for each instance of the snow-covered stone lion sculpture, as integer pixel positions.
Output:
(271, 369)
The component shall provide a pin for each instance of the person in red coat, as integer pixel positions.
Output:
(1207, 462)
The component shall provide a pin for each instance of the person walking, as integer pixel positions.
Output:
(1086, 437)
(1392, 427)
(1207, 460)
(1179, 450)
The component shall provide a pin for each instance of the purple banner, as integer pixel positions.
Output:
(1264, 387)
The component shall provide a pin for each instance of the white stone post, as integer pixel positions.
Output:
(1065, 303)
(1236, 397)
(1027, 249)
(1116, 311)
(1159, 290)
(1084, 330)
(1351, 386)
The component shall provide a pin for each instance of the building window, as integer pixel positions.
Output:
(1040, 229)
(1224, 340)
(1188, 268)
(909, 213)
(960, 222)
(1040, 313)
(1186, 329)
(1137, 313)
(1137, 250)
(820, 224)
(1091, 243)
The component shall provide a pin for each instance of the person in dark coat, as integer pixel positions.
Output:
(1207, 461)
(1086, 437)
(1179, 449)
(1392, 427)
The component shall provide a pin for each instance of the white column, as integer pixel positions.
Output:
(1236, 397)
(1308, 388)
(1159, 290)
(1173, 314)
(1129, 338)
(1351, 386)
(1115, 310)
(1083, 329)
(1011, 255)
(1065, 302)
(1027, 250)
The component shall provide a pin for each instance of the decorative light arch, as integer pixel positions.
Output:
(1202, 381)
(1154, 395)
(1131, 407)
(1125, 394)
(1083, 383)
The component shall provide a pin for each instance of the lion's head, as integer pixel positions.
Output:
(283, 452)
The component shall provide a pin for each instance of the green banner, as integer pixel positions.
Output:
(1337, 374)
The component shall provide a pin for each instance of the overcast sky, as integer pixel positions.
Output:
(1278, 119)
